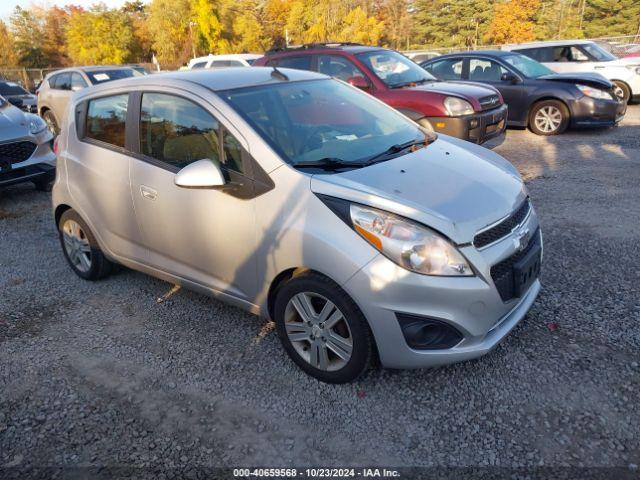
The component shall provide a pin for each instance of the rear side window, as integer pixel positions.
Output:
(106, 119)
(61, 82)
(447, 69)
(542, 54)
(198, 65)
(77, 82)
(299, 63)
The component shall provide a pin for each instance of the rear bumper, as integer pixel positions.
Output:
(591, 112)
(476, 128)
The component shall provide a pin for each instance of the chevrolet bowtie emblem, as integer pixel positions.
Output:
(522, 239)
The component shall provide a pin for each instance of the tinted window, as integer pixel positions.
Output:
(53, 80)
(569, 54)
(77, 82)
(106, 119)
(250, 60)
(300, 63)
(234, 63)
(543, 54)
(105, 75)
(198, 65)
(447, 69)
(309, 121)
(482, 70)
(338, 67)
(177, 131)
(10, 88)
(63, 82)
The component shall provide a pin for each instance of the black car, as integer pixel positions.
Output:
(18, 96)
(538, 98)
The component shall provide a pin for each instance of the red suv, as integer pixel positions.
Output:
(466, 110)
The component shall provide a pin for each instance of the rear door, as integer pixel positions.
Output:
(98, 172)
(206, 236)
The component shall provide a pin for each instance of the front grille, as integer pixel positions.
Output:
(502, 272)
(504, 228)
(17, 152)
(489, 102)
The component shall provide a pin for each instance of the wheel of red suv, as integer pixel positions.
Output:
(549, 117)
(52, 123)
(621, 90)
(322, 329)
(81, 249)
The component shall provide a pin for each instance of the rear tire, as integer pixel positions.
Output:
(81, 249)
(51, 122)
(322, 329)
(549, 117)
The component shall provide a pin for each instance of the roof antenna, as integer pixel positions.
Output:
(278, 74)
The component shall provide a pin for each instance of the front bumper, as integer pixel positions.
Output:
(471, 305)
(40, 166)
(592, 112)
(476, 128)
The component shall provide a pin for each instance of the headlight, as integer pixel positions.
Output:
(594, 92)
(36, 124)
(409, 244)
(456, 106)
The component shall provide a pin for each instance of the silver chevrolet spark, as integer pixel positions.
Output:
(298, 197)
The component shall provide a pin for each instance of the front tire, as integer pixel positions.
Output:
(622, 91)
(549, 117)
(81, 249)
(322, 329)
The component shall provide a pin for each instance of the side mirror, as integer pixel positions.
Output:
(509, 77)
(201, 174)
(358, 82)
(16, 102)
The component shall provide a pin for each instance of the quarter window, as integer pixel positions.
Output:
(198, 65)
(62, 82)
(106, 119)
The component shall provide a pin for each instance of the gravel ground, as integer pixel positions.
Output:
(125, 373)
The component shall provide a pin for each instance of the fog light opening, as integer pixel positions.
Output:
(423, 333)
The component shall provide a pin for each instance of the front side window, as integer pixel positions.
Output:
(338, 67)
(299, 63)
(598, 53)
(77, 82)
(447, 69)
(106, 119)
(394, 69)
(483, 70)
(319, 119)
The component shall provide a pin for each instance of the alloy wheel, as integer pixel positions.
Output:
(548, 119)
(76, 244)
(318, 331)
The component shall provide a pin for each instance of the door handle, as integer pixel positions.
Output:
(148, 193)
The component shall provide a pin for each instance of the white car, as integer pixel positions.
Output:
(569, 56)
(223, 61)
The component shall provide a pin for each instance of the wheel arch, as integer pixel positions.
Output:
(59, 211)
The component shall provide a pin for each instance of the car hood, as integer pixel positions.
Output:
(452, 186)
(12, 123)
(460, 89)
(584, 78)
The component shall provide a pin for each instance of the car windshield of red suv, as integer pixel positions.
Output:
(395, 69)
(324, 122)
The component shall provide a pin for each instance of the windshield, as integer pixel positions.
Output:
(394, 69)
(597, 52)
(10, 88)
(101, 76)
(321, 119)
(527, 66)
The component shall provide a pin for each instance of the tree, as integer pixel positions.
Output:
(248, 32)
(276, 13)
(8, 57)
(513, 21)
(139, 16)
(360, 28)
(53, 37)
(611, 17)
(26, 29)
(398, 21)
(452, 23)
(169, 27)
(100, 36)
(208, 22)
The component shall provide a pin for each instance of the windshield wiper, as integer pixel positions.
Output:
(406, 84)
(391, 152)
(328, 163)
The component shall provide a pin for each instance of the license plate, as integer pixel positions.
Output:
(526, 270)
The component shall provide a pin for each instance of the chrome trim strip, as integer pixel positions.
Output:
(524, 220)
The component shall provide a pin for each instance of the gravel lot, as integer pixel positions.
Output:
(124, 373)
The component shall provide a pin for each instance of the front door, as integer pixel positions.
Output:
(206, 236)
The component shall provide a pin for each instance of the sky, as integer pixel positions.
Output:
(7, 6)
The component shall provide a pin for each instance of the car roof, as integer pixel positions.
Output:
(471, 53)
(550, 43)
(230, 56)
(215, 80)
(320, 47)
(90, 68)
